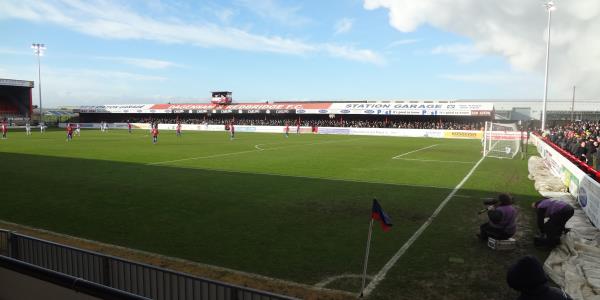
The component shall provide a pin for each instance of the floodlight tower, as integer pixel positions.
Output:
(38, 49)
(550, 6)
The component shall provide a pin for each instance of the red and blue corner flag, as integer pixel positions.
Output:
(378, 214)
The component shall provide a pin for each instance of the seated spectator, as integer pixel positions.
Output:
(502, 217)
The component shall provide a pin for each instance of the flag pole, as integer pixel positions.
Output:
(364, 278)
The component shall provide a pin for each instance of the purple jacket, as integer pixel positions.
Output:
(551, 206)
(505, 218)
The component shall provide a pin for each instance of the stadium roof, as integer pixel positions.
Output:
(536, 105)
(14, 82)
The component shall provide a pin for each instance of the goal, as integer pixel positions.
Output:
(501, 140)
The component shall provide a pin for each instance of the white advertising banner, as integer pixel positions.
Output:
(402, 132)
(397, 132)
(396, 108)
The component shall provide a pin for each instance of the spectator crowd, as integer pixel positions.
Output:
(581, 139)
(410, 122)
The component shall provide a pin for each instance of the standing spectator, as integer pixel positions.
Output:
(597, 156)
(581, 151)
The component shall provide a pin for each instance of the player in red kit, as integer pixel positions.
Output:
(69, 132)
(155, 134)
(287, 130)
(129, 126)
(4, 130)
(231, 131)
(178, 129)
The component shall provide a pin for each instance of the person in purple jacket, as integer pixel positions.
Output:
(502, 223)
(558, 213)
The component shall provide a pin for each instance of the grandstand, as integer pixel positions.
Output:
(15, 99)
(398, 114)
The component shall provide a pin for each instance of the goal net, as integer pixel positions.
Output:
(501, 140)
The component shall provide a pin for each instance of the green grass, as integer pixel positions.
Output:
(293, 208)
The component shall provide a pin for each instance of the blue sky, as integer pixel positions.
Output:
(101, 52)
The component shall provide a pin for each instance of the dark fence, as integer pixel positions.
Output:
(34, 284)
(136, 278)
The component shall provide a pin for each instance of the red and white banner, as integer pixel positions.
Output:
(420, 108)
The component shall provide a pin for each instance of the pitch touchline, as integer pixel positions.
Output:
(407, 153)
(442, 161)
(256, 149)
(381, 274)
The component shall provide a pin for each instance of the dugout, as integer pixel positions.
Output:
(15, 99)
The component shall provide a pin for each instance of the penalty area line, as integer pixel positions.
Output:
(383, 272)
(407, 153)
(440, 161)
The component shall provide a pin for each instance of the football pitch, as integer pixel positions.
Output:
(294, 208)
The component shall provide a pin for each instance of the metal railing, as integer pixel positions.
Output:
(136, 278)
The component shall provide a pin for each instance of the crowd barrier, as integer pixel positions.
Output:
(397, 132)
(131, 277)
(583, 185)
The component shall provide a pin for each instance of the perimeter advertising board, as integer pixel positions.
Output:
(584, 188)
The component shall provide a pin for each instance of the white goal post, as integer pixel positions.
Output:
(501, 140)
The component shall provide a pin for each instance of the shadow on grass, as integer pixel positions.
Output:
(292, 228)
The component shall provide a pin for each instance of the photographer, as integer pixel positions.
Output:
(558, 213)
(502, 219)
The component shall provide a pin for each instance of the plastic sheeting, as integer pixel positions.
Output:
(575, 263)
(545, 181)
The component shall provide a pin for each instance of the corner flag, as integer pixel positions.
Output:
(378, 214)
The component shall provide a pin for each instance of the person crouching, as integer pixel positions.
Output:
(558, 213)
(502, 220)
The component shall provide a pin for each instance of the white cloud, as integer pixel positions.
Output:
(9, 51)
(343, 25)
(273, 10)
(225, 15)
(464, 53)
(152, 64)
(367, 56)
(515, 29)
(112, 21)
(486, 78)
(403, 42)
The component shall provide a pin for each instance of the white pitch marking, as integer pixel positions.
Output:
(257, 146)
(441, 161)
(248, 151)
(202, 157)
(381, 274)
(407, 153)
(331, 279)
